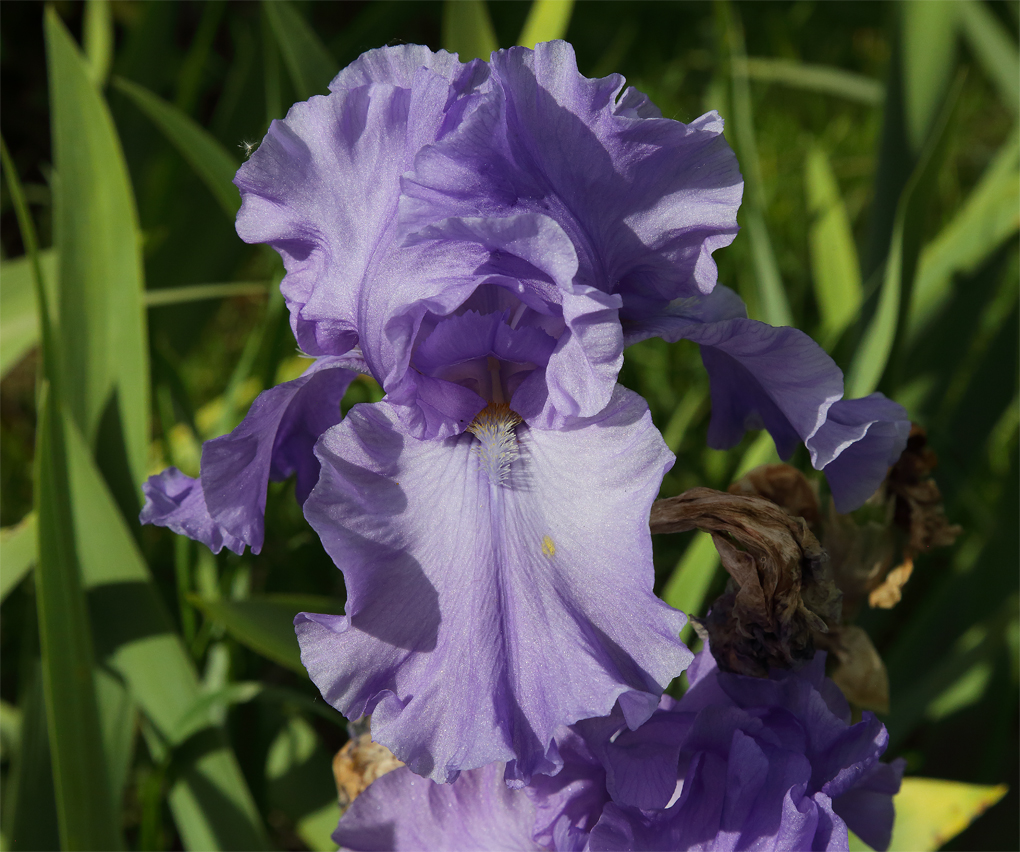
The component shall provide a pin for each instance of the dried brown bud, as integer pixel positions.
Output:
(783, 485)
(780, 589)
(859, 671)
(358, 764)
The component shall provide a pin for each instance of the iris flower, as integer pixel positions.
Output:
(484, 239)
(739, 762)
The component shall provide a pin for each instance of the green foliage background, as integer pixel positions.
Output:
(151, 693)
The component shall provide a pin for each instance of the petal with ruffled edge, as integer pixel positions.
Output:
(322, 188)
(175, 500)
(227, 505)
(482, 616)
(646, 200)
(862, 437)
(401, 812)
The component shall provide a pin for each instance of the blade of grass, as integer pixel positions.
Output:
(98, 242)
(995, 49)
(690, 581)
(19, 326)
(770, 296)
(547, 20)
(207, 157)
(886, 328)
(813, 78)
(834, 265)
(85, 807)
(17, 553)
(98, 37)
(467, 29)
(929, 54)
(989, 215)
(198, 292)
(309, 63)
(266, 623)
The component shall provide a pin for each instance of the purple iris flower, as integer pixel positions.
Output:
(738, 763)
(485, 238)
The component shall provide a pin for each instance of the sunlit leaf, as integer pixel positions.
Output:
(930, 811)
(834, 266)
(19, 328)
(266, 624)
(995, 48)
(889, 320)
(467, 29)
(103, 336)
(17, 553)
(989, 215)
(308, 61)
(547, 20)
(692, 577)
(813, 78)
(206, 156)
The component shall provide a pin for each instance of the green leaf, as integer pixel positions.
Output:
(308, 62)
(17, 553)
(995, 48)
(547, 20)
(85, 805)
(98, 37)
(467, 29)
(989, 216)
(134, 636)
(887, 326)
(198, 292)
(929, 54)
(770, 295)
(102, 328)
(266, 624)
(199, 148)
(19, 327)
(813, 78)
(930, 811)
(29, 809)
(834, 265)
(690, 581)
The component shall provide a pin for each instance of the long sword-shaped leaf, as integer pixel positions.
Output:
(994, 48)
(17, 553)
(835, 270)
(103, 340)
(308, 61)
(85, 806)
(547, 20)
(813, 78)
(889, 321)
(929, 53)
(135, 637)
(206, 156)
(98, 37)
(467, 29)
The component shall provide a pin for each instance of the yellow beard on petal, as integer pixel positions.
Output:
(496, 449)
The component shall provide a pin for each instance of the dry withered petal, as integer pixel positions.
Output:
(358, 764)
(919, 508)
(858, 669)
(780, 589)
(783, 485)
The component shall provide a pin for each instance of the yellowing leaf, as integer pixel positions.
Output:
(930, 811)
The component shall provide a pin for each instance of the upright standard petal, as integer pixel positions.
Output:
(322, 188)
(646, 200)
(498, 586)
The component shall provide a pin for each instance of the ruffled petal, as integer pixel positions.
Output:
(322, 188)
(482, 615)
(646, 200)
(175, 500)
(274, 441)
(855, 447)
(401, 812)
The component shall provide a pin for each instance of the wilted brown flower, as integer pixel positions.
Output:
(358, 764)
(780, 589)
